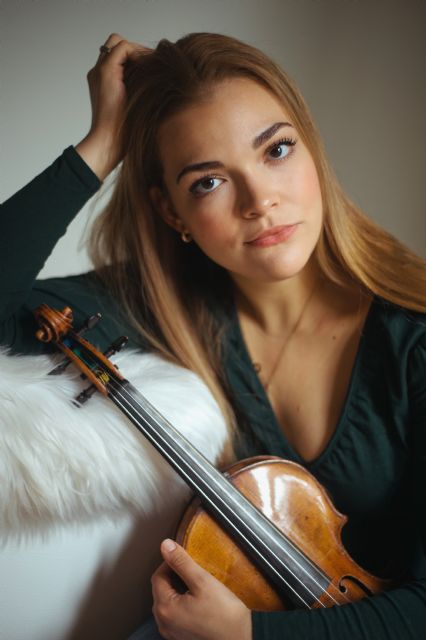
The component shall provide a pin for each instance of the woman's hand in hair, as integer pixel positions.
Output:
(101, 148)
(207, 611)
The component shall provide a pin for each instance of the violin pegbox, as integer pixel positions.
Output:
(115, 347)
(56, 326)
(88, 324)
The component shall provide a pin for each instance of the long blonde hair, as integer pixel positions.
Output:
(168, 288)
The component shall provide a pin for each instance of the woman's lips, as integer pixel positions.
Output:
(272, 236)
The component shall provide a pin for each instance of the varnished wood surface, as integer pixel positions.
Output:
(299, 506)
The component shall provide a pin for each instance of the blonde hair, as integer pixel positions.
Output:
(168, 288)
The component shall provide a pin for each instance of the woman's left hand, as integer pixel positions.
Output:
(207, 611)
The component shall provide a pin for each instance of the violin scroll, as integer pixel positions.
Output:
(53, 324)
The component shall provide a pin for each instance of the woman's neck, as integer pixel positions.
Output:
(308, 302)
(277, 306)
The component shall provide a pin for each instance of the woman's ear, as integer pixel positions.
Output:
(163, 206)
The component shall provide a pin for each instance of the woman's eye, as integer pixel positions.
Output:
(205, 185)
(281, 149)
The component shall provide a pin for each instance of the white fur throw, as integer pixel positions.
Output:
(60, 463)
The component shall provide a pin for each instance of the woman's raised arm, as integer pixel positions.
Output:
(33, 219)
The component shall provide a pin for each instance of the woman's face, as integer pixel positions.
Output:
(241, 181)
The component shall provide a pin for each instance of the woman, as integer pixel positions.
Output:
(234, 252)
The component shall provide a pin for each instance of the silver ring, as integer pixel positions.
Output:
(104, 49)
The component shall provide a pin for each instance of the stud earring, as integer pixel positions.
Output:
(186, 236)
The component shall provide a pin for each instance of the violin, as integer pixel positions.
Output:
(265, 527)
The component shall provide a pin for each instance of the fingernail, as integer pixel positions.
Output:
(169, 545)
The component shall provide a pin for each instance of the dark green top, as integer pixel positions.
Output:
(374, 466)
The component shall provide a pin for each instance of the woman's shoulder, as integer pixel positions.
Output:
(396, 331)
(82, 290)
(398, 320)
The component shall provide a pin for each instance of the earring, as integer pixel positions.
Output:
(186, 236)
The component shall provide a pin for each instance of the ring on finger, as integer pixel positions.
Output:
(104, 49)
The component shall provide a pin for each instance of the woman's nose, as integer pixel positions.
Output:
(256, 196)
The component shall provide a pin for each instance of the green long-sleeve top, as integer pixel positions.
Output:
(374, 466)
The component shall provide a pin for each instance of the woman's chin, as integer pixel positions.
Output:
(281, 269)
(270, 275)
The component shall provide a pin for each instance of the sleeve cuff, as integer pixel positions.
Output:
(82, 170)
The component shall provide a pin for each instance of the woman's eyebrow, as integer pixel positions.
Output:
(215, 164)
(199, 166)
(268, 133)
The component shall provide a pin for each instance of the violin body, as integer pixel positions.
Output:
(289, 496)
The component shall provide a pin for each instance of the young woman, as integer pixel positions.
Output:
(233, 251)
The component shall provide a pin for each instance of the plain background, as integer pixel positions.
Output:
(360, 64)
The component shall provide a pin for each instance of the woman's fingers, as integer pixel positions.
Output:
(117, 50)
(101, 148)
(162, 581)
(107, 90)
(208, 610)
(109, 44)
(184, 566)
(178, 566)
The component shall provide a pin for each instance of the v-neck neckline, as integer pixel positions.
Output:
(260, 391)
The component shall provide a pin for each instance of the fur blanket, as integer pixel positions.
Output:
(60, 463)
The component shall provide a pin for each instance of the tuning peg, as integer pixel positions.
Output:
(85, 395)
(116, 346)
(89, 323)
(60, 367)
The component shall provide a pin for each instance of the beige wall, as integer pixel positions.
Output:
(360, 63)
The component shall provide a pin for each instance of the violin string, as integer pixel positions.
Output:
(232, 525)
(119, 390)
(259, 514)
